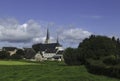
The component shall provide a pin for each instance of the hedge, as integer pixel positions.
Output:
(98, 67)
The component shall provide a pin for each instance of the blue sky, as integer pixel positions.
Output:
(92, 16)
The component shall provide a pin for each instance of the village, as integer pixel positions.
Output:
(39, 51)
(59, 40)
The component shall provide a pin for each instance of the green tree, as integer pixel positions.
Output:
(73, 56)
(97, 46)
(19, 54)
(4, 55)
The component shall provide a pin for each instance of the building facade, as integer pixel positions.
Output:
(48, 49)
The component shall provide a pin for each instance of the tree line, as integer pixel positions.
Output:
(100, 55)
(20, 54)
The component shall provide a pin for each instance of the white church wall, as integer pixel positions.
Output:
(48, 55)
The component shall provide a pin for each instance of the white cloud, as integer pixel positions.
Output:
(15, 34)
(74, 35)
(12, 31)
(42, 39)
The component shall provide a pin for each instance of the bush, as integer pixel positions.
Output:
(4, 55)
(16, 56)
(19, 54)
(110, 60)
(100, 54)
(97, 46)
(72, 57)
(98, 67)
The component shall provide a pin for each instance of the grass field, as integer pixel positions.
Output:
(2, 62)
(46, 71)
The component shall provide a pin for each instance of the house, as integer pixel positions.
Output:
(11, 50)
(48, 49)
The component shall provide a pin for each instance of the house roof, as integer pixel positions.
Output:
(9, 48)
(48, 48)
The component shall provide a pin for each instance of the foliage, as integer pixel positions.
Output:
(19, 54)
(110, 60)
(94, 47)
(4, 55)
(98, 67)
(97, 46)
(72, 56)
(100, 54)
(103, 54)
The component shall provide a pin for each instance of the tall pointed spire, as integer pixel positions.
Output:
(47, 37)
(57, 41)
(47, 34)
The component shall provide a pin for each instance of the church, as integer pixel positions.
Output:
(49, 50)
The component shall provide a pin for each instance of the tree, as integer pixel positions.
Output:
(19, 54)
(72, 56)
(94, 47)
(113, 38)
(4, 55)
(97, 46)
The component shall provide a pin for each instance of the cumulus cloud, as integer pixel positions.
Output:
(12, 31)
(74, 35)
(15, 34)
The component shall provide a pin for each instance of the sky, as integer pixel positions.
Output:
(24, 22)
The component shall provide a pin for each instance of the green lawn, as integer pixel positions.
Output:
(2, 62)
(46, 71)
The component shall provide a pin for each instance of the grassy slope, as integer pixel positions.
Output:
(3, 62)
(46, 71)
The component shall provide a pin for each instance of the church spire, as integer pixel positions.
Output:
(57, 39)
(47, 37)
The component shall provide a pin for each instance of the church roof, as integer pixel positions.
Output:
(48, 48)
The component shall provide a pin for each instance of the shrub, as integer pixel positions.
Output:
(16, 56)
(97, 46)
(101, 55)
(110, 60)
(19, 54)
(72, 57)
(4, 55)
(98, 67)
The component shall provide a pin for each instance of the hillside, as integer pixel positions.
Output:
(46, 71)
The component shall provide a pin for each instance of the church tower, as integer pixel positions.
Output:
(47, 37)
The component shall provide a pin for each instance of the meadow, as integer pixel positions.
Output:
(46, 71)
